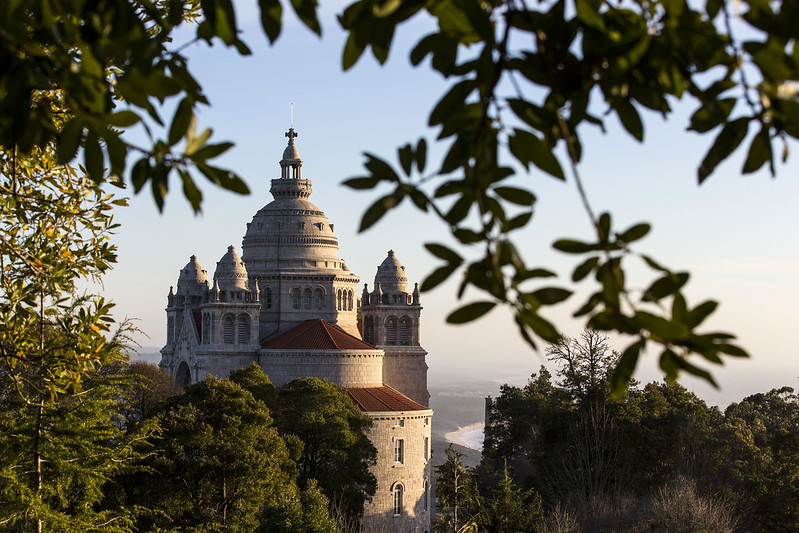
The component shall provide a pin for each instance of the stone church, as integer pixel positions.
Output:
(290, 304)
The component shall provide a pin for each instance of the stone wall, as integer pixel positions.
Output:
(348, 368)
(413, 473)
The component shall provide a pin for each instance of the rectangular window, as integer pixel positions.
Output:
(426, 447)
(399, 451)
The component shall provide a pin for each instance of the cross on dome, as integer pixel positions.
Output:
(291, 134)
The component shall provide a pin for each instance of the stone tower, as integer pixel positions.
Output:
(390, 318)
(290, 304)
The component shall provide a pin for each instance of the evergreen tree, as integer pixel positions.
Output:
(457, 495)
(508, 509)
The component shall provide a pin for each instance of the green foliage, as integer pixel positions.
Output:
(79, 74)
(508, 509)
(457, 494)
(293, 511)
(336, 451)
(530, 78)
(219, 461)
(653, 456)
(57, 458)
(253, 380)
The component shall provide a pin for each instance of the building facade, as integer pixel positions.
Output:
(291, 304)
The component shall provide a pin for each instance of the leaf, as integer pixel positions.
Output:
(635, 233)
(421, 155)
(306, 11)
(759, 152)
(454, 99)
(629, 118)
(623, 372)
(405, 154)
(527, 148)
(587, 13)
(352, 52)
(470, 312)
(516, 195)
(377, 210)
(585, 268)
(437, 277)
(665, 286)
(570, 246)
(698, 314)
(551, 295)
(93, 157)
(271, 14)
(380, 168)
(442, 252)
(211, 151)
(665, 330)
(123, 119)
(181, 121)
(364, 182)
(69, 140)
(725, 144)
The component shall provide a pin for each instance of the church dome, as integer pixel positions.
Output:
(391, 275)
(290, 232)
(230, 271)
(193, 278)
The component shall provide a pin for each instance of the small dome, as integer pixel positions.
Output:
(230, 271)
(391, 275)
(291, 152)
(193, 278)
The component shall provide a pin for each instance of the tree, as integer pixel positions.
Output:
(60, 442)
(58, 458)
(507, 509)
(336, 450)
(584, 363)
(219, 461)
(147, 386)
(526, 82)
(457, 494)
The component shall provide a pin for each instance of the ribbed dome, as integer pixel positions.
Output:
(193, 278)
(391, 275)
(230, 271)
(290, 232)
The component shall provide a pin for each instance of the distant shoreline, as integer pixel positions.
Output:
(470, 436)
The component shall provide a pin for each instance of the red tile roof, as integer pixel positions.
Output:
(371, 399)
(316, 335)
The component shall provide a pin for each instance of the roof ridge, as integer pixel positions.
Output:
(325, 325)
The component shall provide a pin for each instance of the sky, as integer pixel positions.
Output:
(735, 234)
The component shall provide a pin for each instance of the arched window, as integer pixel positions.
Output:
(391, 331)
(338, 298)
(227, 330)
(295, 298)
(170, 330)
(398, 490)
(267, 298)
(426, 448)
(206, 328)
(426, 497)
(369, 330)
(183, 375)
(319, 298)
(349, 300)
(306, 299)
(404, 328)
(243, 335)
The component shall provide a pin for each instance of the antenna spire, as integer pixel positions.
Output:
(292, 115)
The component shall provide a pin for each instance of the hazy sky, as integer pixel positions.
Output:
(736, 235)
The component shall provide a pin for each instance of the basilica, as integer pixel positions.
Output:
(290, 304)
